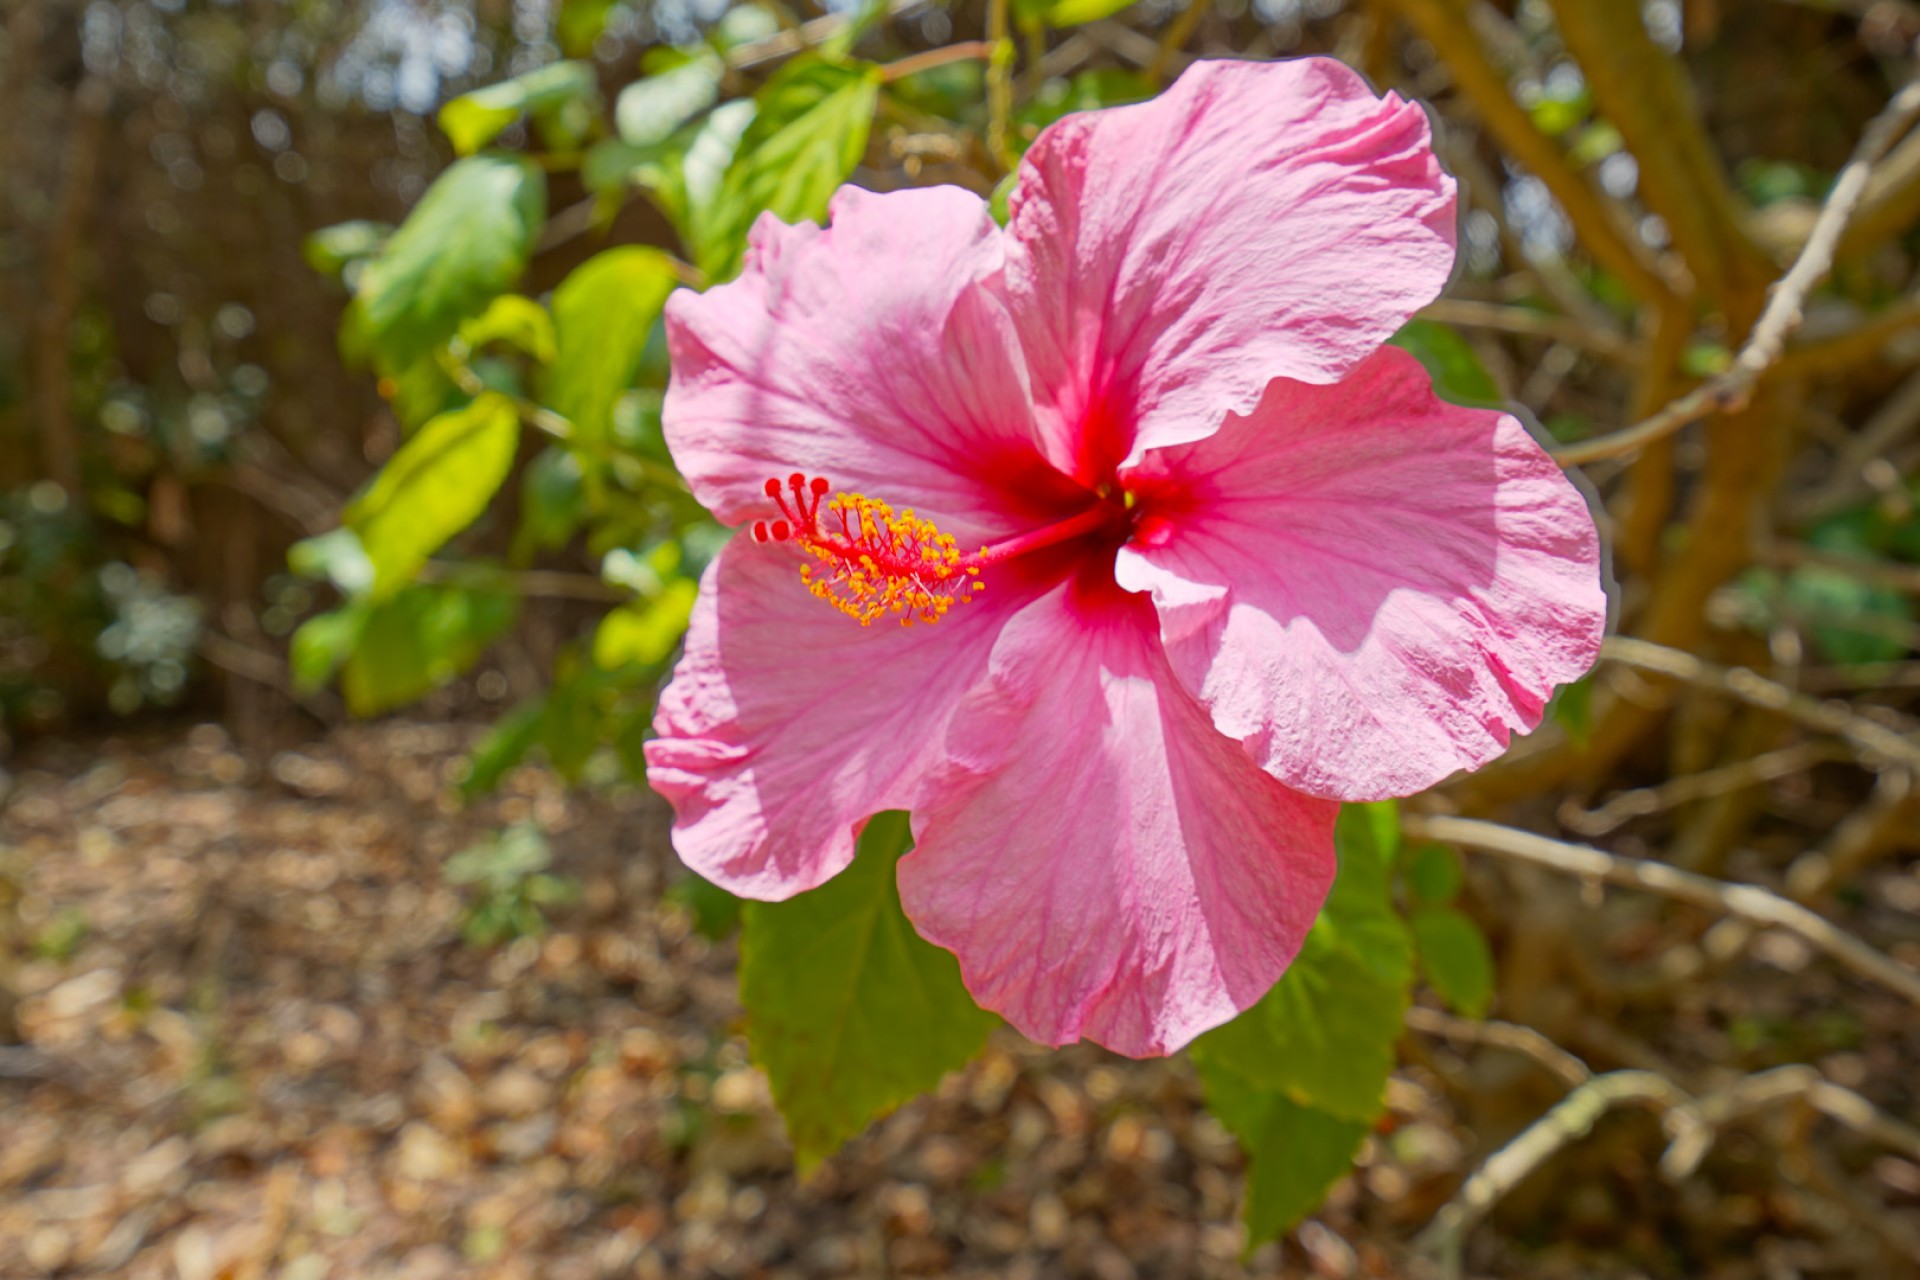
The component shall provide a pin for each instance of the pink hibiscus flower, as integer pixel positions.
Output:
(1187, 555)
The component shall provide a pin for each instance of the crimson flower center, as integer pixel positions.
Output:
(870, 561)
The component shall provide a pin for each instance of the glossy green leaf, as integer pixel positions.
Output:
(435, 486)
(654, 107)
(808, 133)
(1324, 1036)
(466, 242)
(849, 1011)
(1455, 957)
(603, 312)
(472, 120)
(1294, 1153)
(643, 633)
(1450, 361)
(419, 639)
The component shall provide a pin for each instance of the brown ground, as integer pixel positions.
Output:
(251, 1042)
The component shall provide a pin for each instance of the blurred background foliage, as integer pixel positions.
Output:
(330, 383)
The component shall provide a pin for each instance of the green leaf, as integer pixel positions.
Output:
(653, 108)
(464, 243)
(643, 633)
(1433, 873)
(322, 643)
(517, 322)
(1455, 957)
(603, 312)
(580, 24)
(420, 639)
(337, 557)
(331, 250)
(807, 135)
(1069, 13)
(849, 1011)
(1324, 1036)
(472, 120)
(435, 486)
(1572, 709)
(553, 503)
(1456, 371)
(1294, 1153)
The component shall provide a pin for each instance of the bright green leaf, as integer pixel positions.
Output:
(517, 322)
(472, 120)
(321, 644)
(652, 109)
(1455, 957)
(580, 24)
(643, 633)
(1294, 1153)
(464, 243)
(1456, 371)
(849, 1011)
(603, 312)
(1072, 13)
(419, 640)
(807, 135)
(435, 486)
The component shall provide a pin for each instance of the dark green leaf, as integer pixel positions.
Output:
(506, 745)
(603, 312)
(1433, 873)
(1455, 957)
(553, 503)
(1294, 1153)
(1572, 710)
(437, 485)
(807, 135)
(472, 120)
(849, 1011)
(1456, 371)
(464, 243)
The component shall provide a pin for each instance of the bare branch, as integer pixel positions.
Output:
(1750, 902)
(1731, 389)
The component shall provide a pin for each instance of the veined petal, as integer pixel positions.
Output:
(1101, 860)
(1367, 585)
(865, 352)
(787, 724)
(1257, 220)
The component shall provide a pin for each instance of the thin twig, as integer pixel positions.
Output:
(1000, 87)
(1564, 1066)
(1642, 801)
(1750, 902)
(1570, 1119)
(1730, 390)
(1871, 737)
(1530, 323)
(927, 59)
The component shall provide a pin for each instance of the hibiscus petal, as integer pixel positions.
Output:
(864, 352)
(1101, 860)
(1367, 585)
(787, 724)
(1258, 220)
